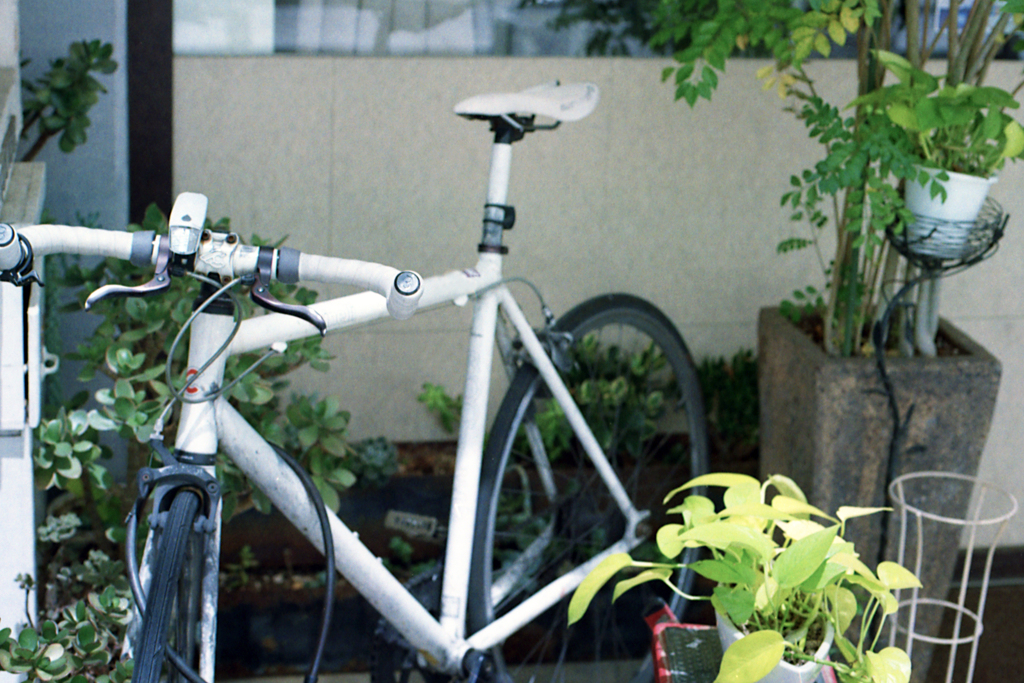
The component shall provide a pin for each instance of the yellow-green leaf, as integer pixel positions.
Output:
(669, 540)
(756, 510)
(895, 577)
(850, 19)
(822, 45)
(656, 574)
(742, 494)
(1014, 140)
(721, 535)
(844, 606)
(726, 479)
(751, 658)
(593, 582)
(846, 512)
(787, 487)
(796, 507)
(837, 32)
(799, 561)
(891, 665)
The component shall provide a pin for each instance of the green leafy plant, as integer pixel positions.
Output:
(962, 127)
(236, 574)
(445, 407)
(730, 395)
(131, 347)
(855, 188)
(375, 461)
(780, 575)
(85, 614)
(58, 102)
(605, 383)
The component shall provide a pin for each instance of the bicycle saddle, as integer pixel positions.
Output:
(569, 102)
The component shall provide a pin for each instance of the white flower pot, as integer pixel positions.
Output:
(965, 195)
(943, 229)
(785, 672)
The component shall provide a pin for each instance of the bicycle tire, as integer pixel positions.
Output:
(614, 340)
(174, 575)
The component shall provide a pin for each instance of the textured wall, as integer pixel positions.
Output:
(361, 157)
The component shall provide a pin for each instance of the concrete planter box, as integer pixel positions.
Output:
(826, 423)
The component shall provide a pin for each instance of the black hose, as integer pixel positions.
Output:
(325, 528)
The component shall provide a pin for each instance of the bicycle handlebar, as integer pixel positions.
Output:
(221, 255)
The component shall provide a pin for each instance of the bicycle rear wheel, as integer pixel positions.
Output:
(172, 609)
(635, 382)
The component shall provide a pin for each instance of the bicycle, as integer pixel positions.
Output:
(603, 415)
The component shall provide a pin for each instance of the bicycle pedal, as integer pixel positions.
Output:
(413, 525)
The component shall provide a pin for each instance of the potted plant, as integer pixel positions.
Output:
(786, 583)
(866, 155)
(961, 134)
(826, 414)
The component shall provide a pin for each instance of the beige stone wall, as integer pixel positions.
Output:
(361, 157)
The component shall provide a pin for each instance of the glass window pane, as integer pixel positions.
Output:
(382, 27)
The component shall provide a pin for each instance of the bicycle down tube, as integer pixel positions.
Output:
(443, 642)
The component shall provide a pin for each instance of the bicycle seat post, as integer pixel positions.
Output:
(498, 215)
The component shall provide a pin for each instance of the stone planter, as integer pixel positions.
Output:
(825, 422)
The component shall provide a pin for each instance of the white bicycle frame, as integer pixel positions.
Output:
(442, 641)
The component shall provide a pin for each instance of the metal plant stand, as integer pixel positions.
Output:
(930, 541)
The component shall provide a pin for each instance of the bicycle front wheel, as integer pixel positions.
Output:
(543, 510)
(172, 604)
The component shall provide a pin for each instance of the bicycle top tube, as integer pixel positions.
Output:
(189, 248)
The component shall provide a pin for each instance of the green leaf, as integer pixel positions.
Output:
(799, 561)
(903, 116)
(726, 479)
(891, 665)
(783, 484)
(654, 574)
(752, 657)
(721, 535)
(759, 510)
(308, 435)
(1014, 140)
(28, 638)
(895, 577)
(843, 604)
(669, 539)
(723, 571)
(742, 494)
(593, 583)
(847, 512)
(797, 508)
(737, 602)
(100, 422)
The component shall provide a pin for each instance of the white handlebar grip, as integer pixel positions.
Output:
(10, 247)
(405, 295)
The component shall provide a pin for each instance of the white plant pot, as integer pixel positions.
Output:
(784, 672)
(944, 228)
(965, 195)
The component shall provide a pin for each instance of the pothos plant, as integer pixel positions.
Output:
(782, 571)
(854, 188)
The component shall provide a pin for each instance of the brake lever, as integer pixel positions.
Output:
(260, 294)
(23, 273)
(161, 280)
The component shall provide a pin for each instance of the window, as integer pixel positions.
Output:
(390, 27)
